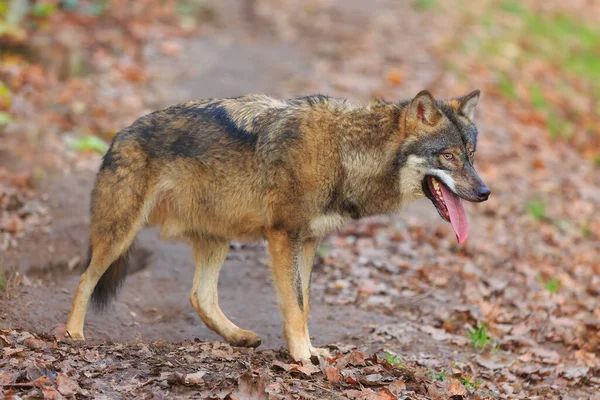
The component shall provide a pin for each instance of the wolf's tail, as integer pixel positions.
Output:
(107, 287)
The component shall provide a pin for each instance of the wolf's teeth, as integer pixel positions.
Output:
(437, 189)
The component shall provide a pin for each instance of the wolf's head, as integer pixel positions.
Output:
(438, 153)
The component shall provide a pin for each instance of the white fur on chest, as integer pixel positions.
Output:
(327, 223)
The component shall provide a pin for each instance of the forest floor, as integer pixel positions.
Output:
(407, 312)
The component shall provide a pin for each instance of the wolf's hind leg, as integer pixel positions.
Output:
(307, 258)
(106, 258)
(117, 215)
(209, 256)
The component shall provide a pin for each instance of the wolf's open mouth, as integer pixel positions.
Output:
(449, 206)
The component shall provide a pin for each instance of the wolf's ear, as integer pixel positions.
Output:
(423, 110)
(466, 104)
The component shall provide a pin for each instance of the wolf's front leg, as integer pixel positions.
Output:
(286, 267)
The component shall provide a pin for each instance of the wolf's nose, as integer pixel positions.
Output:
(483, 193)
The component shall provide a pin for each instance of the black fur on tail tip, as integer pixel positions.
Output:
(110, 282)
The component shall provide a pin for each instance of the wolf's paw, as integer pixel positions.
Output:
(245, 339)
(74, 335)
(320, 353)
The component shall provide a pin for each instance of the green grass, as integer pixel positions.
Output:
(507, 87)
(561, 38)
(515, 36)
(42, 10)
(88, 143)
(424, 5)
(5, 95)
(470, 386)
(394, 359)
(479, 337)
(537, 209)
(323, 249)
(552, 285)
(537, 97)
(3, 280)
(586, 231)
(5, 118)
(512, 7)
(558, 127)
(438, 376)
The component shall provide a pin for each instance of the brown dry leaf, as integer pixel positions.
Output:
(307, 369)
(51, 394)
(369, 394)
(491, 362)
(371, 379)
(195, 378)
(170, 47)
(10, 351)
(355, 358)
(397, 386)
(332, 374)
(575, 372)
(436, 334)
(133, 74)
(65, 385)
(282, 365)
(35, 344)
(394, 77)
(218, 353)
(250, 387)
(59, 332)
(385, 394)
(547, 356)
(456, 388)
(13, 225)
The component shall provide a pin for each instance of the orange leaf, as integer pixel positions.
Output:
(394, 77)
(456, 388)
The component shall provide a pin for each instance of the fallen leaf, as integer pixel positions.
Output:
(371, 379)
(490, 362)
(35, 344)
(397, 386)
(65, 385)
(195, 378)
(59, 332)
(547, 356)
(575, 372)
(307, 369)
(283, 366)
(436, 334)
(369, 394)
(394, 77)
(456, 388)
(355, 358)
(332, 374)
(51, 394)
(10, 351)
(250, 387)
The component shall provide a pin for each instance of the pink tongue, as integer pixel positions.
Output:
(458, 216)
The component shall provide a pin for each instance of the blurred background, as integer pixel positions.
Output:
(74, 72)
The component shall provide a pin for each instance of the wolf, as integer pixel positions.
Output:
(254, 167)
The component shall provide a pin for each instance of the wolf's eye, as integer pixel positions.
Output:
(448, 156)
